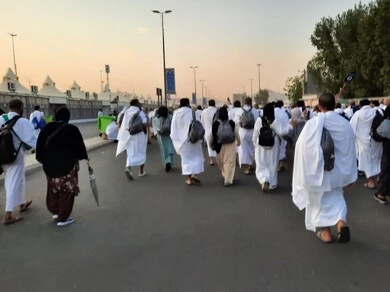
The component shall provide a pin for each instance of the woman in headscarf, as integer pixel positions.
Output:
(223, 140)
(384, 177)
(162, 125)
(60, 147)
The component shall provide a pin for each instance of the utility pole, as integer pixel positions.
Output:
(251, 80)
(258, 65)
(13, 50)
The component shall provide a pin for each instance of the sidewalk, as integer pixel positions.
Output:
(32, 165)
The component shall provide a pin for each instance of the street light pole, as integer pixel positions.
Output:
(13, 50)
(163, 43)
(202, 81)
(258, 65)
(195, 67)
(251, 80)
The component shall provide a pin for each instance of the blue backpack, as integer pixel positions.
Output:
(38, 124)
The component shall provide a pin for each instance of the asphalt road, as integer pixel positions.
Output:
(88, 130)
(157, 234)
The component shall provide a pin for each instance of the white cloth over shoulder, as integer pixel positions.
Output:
(368, 151)
(180, 127)
(112, 131)
(246, 150)
(192, 160)
(267, 159)
(14, 173)
(207, 122)
(317, 190)
(125, 140)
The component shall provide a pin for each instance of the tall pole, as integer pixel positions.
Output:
(13, 51)
(101, 81)
(163, 43)
(202, 81)
(258, 65)
(195, 67)
(251, 80)
(165, 73)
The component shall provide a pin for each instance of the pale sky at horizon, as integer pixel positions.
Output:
(73, 40)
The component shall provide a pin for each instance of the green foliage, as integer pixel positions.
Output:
(354, 41)
(294, 87)
(261, 97)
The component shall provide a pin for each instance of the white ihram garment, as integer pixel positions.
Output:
(192, 160)
(39, 116)
(246, 150)
(207, 122)
(135, 145)
(369, 152)
(283, 120)
(14, 173)
(198, 115)
(267, 159)
(318, 191)
(112, 131)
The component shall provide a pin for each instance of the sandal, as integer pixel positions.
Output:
(319, 236)
(344, 234)
(25, 206)
(189, 183)
(12, 220)
(195, 179)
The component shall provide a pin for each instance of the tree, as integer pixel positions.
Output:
(354, 41)
(294, 87)
(262, 97)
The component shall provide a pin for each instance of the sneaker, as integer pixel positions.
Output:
(55, 217)
(380, 200)
(67, 222)
(143, 174)
(128, 173)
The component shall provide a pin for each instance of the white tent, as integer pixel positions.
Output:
(75, 89)
(49, 89)
(11, 77)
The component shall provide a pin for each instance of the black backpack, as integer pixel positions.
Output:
(378, 119)
(8, 153)
(267, 135)
(327, 146)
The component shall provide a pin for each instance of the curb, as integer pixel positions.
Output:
(37, 166)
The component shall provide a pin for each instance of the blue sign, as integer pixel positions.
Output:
(194, 98)
(171, 84)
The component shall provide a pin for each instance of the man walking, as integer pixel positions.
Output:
(207, 122)
(319, 190)
(245, 119)
(133, 138)
(23, 137)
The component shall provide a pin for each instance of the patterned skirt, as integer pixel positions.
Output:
(67, 184)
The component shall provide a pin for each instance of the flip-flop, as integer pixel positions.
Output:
(319, 236)
(195, 179)
(25, 206)
(13, 220)
(344, 234)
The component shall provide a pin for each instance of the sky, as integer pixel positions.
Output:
(72, 40)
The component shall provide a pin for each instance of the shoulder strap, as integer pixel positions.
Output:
(52, 135)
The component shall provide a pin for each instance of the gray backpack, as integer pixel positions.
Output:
(225, 133)
(327, 146)
(196, 131)
(165, 127)
(247, 120)
(135, 124)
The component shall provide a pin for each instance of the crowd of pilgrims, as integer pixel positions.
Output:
(324, 149)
